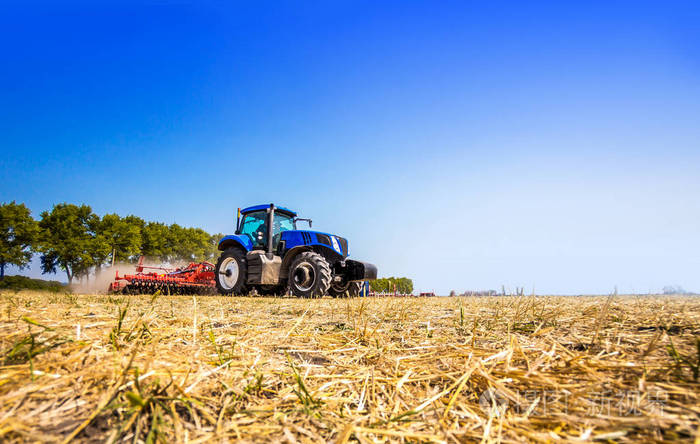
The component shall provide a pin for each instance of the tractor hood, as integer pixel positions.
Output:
(295, 238)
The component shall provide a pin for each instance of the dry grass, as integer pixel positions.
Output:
(145, 369)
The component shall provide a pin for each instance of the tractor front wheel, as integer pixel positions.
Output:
(231, 271)
(349, 289)
(309, 275)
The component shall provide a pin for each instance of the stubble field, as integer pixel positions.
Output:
(88, 368)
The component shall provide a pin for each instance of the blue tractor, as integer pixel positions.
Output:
(269, 254)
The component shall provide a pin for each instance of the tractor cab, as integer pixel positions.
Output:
(268, 253)
(254, 225)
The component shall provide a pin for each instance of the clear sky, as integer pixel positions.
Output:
(466, 145)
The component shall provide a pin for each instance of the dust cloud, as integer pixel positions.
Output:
(98, 282)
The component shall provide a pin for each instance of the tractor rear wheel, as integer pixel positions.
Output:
(309, 275)
(231, 271)
(349, 289)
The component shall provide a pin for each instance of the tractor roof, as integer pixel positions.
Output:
(265, 207)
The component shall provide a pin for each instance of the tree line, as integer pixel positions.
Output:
(386, 285)
(74, 239)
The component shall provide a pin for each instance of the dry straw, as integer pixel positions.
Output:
(488, 369)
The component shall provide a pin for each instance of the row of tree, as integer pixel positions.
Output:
(76, 240)
(387, 285)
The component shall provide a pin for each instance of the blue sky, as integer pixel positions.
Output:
(465, 145)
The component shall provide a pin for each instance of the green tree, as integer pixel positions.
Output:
(201, 243)
(403, 285)
(116, 239)
(178, 243)
(18, 232)
(99, 246)
(67, 239)
(188, 244)
(155, 241)
(379, 285)
(175, 243)
(137, 224)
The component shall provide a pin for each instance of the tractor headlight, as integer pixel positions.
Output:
(336, 245)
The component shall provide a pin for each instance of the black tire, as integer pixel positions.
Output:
(223, 273)
(309, 275)
(349, 289)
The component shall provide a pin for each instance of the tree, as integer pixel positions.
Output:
(67, 239)
(175, 243)
(155, 243)
(99, 246)
(132, 254)
(403, 285)
(18, 233)
(188, 244)
(674, 289)
(116, 238)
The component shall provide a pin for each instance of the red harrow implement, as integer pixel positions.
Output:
(196, 278)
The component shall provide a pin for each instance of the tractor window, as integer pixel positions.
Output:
(253, 225)
(283, 223)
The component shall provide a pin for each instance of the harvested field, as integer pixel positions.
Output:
(186, 369)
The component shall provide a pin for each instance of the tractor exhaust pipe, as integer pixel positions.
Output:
(270, 230)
